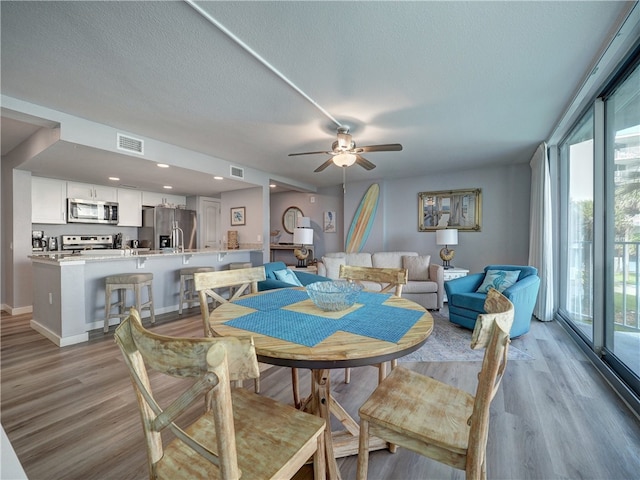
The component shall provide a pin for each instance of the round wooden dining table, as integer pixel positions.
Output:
(290, 330)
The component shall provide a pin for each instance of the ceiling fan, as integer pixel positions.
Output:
(344, 152)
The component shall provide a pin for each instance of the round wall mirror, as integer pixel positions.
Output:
(290, 218)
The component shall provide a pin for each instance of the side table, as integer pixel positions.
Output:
(273, 247)
(451, 273)
(310, 268)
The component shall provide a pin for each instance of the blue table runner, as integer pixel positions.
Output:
(380, 321)
(274, 300)
(372, 319)
(371, 298)
(301, 328)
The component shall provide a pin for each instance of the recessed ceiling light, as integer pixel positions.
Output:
(168, 187)
(114, 179)
(272, 185)
(163, 165)
(218, 178)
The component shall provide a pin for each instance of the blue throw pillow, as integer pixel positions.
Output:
(498, 279)
(287, 276)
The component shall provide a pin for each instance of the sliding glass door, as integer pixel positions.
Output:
(622, 120)
(599, 163)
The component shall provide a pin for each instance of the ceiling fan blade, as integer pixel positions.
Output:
(364, 163)
(309, 153)
(324, 165)
(389, 147)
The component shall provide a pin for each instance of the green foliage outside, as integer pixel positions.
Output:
(632, 302)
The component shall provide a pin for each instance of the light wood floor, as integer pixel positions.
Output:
(70, 413)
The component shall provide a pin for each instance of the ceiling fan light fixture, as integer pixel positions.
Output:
(344, 159)
(344, 152)
(344, 141)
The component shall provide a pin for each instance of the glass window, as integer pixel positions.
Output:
(577, 157)
(622, 329)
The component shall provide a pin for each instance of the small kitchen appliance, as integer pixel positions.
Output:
(91, 211)
(37, 240)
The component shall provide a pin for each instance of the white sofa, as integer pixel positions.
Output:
(426, 280)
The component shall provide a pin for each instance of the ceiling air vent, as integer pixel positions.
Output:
(130, 144)
(237, 172)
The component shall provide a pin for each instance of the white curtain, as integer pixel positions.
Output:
(540, 232)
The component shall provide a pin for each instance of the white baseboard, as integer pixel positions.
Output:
(83, 337)
(17, 310)
(57, 339)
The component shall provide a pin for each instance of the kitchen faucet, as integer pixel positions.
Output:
(177, 237)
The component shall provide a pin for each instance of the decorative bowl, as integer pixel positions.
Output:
(334, 296)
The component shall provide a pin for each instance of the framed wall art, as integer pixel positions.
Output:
(461, 209)
(238, 216)
(329, 224)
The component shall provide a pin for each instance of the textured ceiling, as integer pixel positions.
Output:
(458, 84)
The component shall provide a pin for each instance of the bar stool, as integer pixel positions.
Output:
(121, 284)
(188, 293)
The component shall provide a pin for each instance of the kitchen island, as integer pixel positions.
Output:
(69, 290)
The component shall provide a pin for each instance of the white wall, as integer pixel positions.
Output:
(504, 237)
(326, 199)
(252, 200)
(16, 222)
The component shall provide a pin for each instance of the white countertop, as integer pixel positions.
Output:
(125, 254)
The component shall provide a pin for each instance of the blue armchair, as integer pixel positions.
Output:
(465, 304)
(272, 282)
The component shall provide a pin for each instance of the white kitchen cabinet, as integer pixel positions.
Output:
(83, 191)
(48, 200)
(106, 194)
(129, 207)
(87, 191)
(153, 199)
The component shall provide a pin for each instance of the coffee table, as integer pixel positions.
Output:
(290, 330)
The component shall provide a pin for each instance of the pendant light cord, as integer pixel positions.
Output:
(257, 56)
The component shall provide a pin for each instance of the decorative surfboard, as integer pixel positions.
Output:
(363, 220)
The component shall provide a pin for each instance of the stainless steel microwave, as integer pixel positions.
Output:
(91, 211)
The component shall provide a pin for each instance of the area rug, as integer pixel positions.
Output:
(451, 343)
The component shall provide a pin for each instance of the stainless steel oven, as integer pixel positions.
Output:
(91, 211)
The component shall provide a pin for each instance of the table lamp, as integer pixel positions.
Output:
(446, 237)
(302, 235)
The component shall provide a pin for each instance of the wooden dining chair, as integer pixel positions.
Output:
(390, 280)
(238, 434)
(437, 420)
(238, 282)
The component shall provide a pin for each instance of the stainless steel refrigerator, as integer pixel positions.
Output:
(159, 227)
